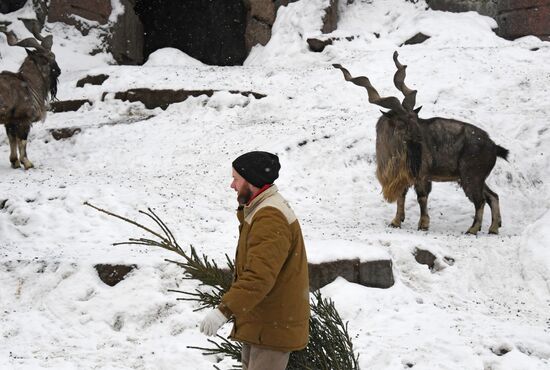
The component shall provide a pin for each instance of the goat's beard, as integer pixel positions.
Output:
(54, 75)
(244, 195)
(53, 86)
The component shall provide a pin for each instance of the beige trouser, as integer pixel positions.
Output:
(256, 358)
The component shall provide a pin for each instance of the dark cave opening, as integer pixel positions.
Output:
(8, 6)
(212, 31)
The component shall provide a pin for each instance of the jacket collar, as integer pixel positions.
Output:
(262, 189)
(248, 209)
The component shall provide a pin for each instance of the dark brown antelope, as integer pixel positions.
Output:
(24, 95)
(411, 151)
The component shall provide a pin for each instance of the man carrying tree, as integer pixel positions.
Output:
(269, 297)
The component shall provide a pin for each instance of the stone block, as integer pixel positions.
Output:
(376, 274)
(324, 273)
(68, 105)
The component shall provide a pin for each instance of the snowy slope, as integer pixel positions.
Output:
(487, 310)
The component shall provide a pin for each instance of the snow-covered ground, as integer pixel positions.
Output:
(490, 309)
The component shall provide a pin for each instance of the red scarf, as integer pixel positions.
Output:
(262, 189)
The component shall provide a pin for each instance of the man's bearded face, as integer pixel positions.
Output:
(242, 187)
(244, 194)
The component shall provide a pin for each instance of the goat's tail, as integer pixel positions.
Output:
(502, 152)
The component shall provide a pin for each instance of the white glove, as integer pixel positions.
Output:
(212, 322)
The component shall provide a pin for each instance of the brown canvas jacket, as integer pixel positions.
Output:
(269, 297)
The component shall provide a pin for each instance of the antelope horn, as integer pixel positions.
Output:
(389, 102)
(33, 26)
(47, 42)
(26, 43)
(10, 37)
(30, 43)
(399, 81)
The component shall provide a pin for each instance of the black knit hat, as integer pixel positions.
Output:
(258, 168)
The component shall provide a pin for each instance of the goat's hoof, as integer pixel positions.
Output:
(15, 165)
(395, 225)
(493, 231)
(472, 231)
(28, 165)
(424, 224)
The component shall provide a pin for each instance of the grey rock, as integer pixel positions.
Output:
(113, 274)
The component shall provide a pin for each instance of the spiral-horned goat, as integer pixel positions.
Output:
(411, 151)
(24, 95)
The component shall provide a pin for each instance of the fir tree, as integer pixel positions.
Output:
(330, 346)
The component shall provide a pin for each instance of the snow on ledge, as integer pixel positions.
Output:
(319, 251)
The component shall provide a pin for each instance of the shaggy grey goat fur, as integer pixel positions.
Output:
(411, 151)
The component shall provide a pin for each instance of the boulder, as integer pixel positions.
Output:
(261, 15)
(261, 10)
(64, 133)
(317, 45)
(256, 33)
(92, 80)
(425, 257)
(417, 39)
(330, 20)
(113, 274)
